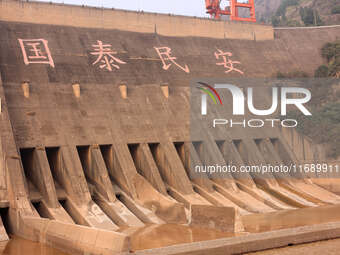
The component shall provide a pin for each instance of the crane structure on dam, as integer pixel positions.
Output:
(216, 11)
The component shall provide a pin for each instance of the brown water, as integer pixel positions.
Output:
(155, 236)
(330, 247)
(18, 246)
(254, 223)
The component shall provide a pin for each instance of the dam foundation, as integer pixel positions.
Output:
(96, 148)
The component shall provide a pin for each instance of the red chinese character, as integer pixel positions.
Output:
(106, 56)
(227, 62)
(167, 60)
(36, 51)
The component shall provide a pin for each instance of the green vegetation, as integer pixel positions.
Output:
(280, 19)
(323, 126)
(310, 16)
(300, 12)
(336, 9)
(321, 72)
(281, 11)
(331, 52)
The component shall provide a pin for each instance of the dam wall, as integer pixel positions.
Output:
(162, 24)
(72, 52)
(95, 126)
(303, 147)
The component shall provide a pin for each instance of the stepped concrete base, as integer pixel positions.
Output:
(252, 242)
(74, 239)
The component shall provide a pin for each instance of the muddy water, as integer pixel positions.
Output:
(156, 236)
(18, 246)
(152, 236)
(330, 247)
(254, 223)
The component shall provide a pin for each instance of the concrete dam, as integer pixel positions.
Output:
(96, 147)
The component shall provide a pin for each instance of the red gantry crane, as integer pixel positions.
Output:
(214, 9)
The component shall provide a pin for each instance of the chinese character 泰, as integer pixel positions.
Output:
(36, 51)
(167, 60)
(227, 62)
(106, 56)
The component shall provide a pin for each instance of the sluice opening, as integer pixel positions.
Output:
(220, 145)
(180, 150)
(258, 141)
(27, 160)
(41, 209)
(146, 166)
(31, 174)
(227, 152)
(240, 149)
(62, 203)
(5, 219)
(108, 156)
(111, 164)
(52, 154)
(71, 212)
(96, 188)
(198, 148)
(156, 154)
(54, 161)
(105, 149)
(183, 153)
(133, 148)
(107, 153)
(279, 148)
(154, 148)
(268, 154)
(85, 158)
(262, 148)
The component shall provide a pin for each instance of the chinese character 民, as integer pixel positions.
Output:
(167, 60)
(227, 62)
(36, 51)
(106, 56)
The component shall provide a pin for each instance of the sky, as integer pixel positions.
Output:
(179, 7)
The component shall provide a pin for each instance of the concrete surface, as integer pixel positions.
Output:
(86, 151)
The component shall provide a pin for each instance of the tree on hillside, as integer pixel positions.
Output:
(280, 19)
(310, 16)
(331, 52)
(336, 9)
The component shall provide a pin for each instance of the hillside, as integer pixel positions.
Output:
(298, 12)
(265, 9)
